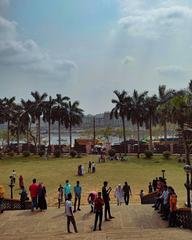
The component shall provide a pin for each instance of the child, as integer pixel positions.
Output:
(69, 213)
(60, 194)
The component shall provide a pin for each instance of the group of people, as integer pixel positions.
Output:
(123, 193)
(166, 202)
(38, 196)
(81, 169)
(96, 200)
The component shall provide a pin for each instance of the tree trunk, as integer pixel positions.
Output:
(186, 146)
(165, 130)
(8, 137)
(150, 134)
(70, 137)
(28, 137)
(138, 141)
(124, 136)
(94, 131)
(18, 127)
(39, 132)
(59, 131)
(49, 132)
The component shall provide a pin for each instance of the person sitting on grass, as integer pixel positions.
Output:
(69, 213)
(99, 202)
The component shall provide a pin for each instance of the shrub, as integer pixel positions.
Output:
(11, 154)
(73, 153)
(41, 153)
(148, 154)
(79, 155)
(57, 153)
(111, 152)
(166, 154)
(26, 154)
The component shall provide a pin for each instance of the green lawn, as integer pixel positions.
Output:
(52, 172)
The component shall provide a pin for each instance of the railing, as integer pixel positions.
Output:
(149, 198)
(14, 204)
(184, 218)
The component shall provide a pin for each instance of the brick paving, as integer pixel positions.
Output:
(132, 222)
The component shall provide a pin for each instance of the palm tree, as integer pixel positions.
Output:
(59, 114)
(163, 110)
(38, 105)
(121, 110)
(75, 115)
(137, 113)
(9, 105)
(26, 117)
(47, 115)
(151, 116)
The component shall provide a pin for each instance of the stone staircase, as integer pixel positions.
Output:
(130, 222)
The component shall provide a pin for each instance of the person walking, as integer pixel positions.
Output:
(60, 195)
(33, 189)
(106, 198)
(119, 194)
(21, 183)
(127, 192)
(77, 192)
(89, 166)
(42, 203)
(99, 202)
(69, 213)
(23, 197)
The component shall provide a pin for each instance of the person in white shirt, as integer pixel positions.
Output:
(69, 214)
(14, 176)
(119, 194)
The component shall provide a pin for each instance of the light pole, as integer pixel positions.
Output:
(11, 185)
(163, 173)
(188, 169)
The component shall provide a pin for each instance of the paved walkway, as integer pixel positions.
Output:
(132, 222)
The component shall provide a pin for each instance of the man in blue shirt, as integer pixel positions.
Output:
(77, 192)
(66, 189)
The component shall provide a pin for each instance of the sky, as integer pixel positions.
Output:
(86, 49)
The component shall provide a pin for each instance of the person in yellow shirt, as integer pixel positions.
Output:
(2, 192)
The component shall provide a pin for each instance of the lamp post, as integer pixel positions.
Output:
(163, 173)
(11, 185)
(188, 169)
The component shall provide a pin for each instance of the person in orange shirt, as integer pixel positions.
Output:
(2, 192)
(173, 208)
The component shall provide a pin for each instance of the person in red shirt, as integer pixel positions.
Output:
(99, 202)
(33, 188)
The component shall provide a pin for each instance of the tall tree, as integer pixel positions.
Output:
(121, 110)
(151, 116)
(9, 105)
(60, 114)
(38, 106)
(137, 113)
(163, 109)
(47, 115)
(75, 115)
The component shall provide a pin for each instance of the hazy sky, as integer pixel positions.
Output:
(86, 49)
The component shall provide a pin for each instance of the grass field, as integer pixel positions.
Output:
(54, 171)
